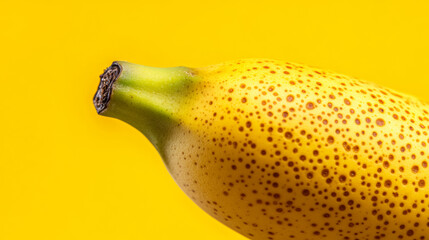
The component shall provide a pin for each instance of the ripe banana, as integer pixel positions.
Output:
(277, 150)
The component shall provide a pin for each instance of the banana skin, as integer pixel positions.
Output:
(277, 150)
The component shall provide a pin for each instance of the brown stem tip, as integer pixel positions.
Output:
(102, 96)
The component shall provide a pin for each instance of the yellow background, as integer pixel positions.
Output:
(67, 173)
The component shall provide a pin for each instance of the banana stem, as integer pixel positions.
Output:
(148, 98)
(102, 96)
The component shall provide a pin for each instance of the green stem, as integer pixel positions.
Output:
(147, 98)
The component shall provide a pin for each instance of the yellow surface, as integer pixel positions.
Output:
(67, 173)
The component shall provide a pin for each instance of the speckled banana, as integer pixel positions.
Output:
(277, 150)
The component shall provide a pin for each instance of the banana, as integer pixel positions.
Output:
(277, 150)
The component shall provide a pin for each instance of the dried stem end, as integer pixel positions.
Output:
(102, 96)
